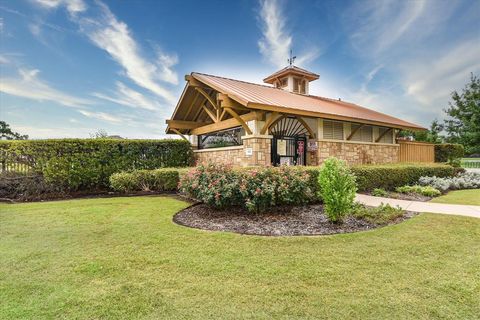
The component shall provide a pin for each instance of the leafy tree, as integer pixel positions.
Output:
(7, 133)
(432, 135)
(463, 125)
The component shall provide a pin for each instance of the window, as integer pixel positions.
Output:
(296, 84)
(332, 130)
(386, 137)
(303, 85)
(362, 133)
(225, 138)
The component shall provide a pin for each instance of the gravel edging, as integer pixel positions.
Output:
(284, 221)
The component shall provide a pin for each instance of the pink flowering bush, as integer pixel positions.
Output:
(213, 184)
(257, 189)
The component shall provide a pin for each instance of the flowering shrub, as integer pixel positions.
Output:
(268, 187)
(426, 191)
(257, 189)
(337, 188)
(466, 180)
(213, 184)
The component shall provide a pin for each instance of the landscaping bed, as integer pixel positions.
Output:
(279, 221)
(402, 196)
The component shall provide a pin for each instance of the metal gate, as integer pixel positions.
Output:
(289, 143)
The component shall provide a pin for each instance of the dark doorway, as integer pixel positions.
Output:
(289, 143)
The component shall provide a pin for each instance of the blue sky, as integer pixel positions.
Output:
(69, 68)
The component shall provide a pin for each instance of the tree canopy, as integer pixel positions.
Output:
(463, 122)
(7, 133)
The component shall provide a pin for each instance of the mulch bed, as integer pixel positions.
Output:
(285, 221)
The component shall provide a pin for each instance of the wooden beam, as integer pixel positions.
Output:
(227, 102)
(315, 114)
(225, 124)
(210, 113)
(192, 103)
(310, 131)
(239, 119)
(182, 124)
(354, 131)
(383, 134)
(207, 96)
(268, 122)
(179, 133)
(283, 116)
(222, 114)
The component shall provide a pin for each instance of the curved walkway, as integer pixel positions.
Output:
(418, 206)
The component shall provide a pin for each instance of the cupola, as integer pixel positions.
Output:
(292, 78)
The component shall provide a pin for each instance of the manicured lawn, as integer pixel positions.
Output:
(123, 258)
(470, 197)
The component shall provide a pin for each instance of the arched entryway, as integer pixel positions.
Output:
(289, 143)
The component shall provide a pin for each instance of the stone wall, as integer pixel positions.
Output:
(229, 155)
(238, 156)
(358, 153)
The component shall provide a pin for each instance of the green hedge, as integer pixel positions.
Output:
(76, 164)
(448, 152)
(389, 177)
(165, 179)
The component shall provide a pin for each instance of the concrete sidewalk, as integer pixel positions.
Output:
(418, 206)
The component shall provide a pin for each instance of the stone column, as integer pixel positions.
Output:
(257, 150)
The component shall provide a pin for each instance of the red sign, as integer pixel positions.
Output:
(301, 146)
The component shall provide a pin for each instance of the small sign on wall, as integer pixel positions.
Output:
(312, 146)
(248, 152)
(281, 147)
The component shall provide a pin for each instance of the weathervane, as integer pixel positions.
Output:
(291, 61)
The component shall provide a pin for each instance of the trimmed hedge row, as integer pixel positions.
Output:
(165, 179)
(224, 186)
(390, 177)
(76, 164)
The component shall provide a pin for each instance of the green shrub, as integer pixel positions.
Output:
(422, 190)
(76, 164)
(449, 152)
(337, 188)
(164, 179)
(268, 187)
(257, 189)
(388, 177)
(379, 192)
(382, 214)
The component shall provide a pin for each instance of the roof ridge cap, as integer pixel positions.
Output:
(256, 84)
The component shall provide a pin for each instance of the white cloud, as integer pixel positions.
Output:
(114, 36)
(102, 116)
(29, 85)
(73, 6)
(277, 41)
(431, 82)
(129, 97)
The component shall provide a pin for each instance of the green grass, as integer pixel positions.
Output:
(123, 258)
(469, 197)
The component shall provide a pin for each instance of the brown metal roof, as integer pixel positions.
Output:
(257, 96)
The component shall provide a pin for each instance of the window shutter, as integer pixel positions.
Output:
(332, 130)
(364, 134)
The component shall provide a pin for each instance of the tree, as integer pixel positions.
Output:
(463, 124)
(99, 134)
(432, 135)
(7, 133)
